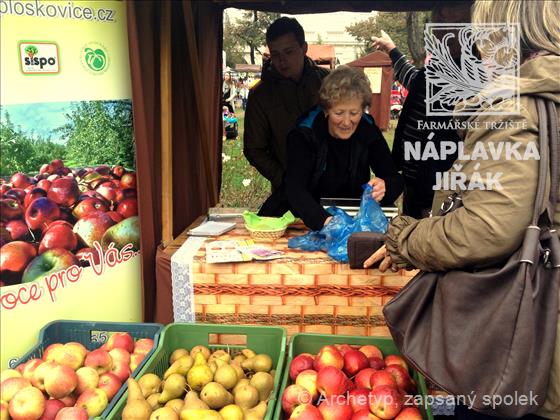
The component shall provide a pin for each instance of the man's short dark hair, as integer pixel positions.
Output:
(283, 26)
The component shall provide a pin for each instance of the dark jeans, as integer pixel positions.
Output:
(464, 413)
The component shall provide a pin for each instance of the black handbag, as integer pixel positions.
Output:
(361, 245)
(488, 336)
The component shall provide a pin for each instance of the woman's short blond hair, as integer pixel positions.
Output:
(538, 21)
(342, 84)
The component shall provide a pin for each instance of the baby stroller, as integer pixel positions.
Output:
(395, 104)
(230, 125)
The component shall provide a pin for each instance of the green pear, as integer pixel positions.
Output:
(239, 370)
(198, 414)
(180, 366)
(173, 387)
(221, 355)
(248, 353)
(232, 412)
(192, 401)
(150, 384)
(215, 395)
(227, 376)
(164, 413)
(246, 396)
(176, 354)
(125, 232)
(201, 349)
(259, 363)
(243, 381)
(198, 376)
(264, 383)
(239, 359)
(176, 404)
(153, 401)
(257, 412)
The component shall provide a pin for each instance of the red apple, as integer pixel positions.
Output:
(52, 407)
(91, 228)
(100, 360)
(143, 345)
(41, 212)
(328, 356)
(46, 169)
(331, 381)
(128, 207)
(354, 361)
(48, 354)
(14, 258)
(306, 412)
(64, 191)
(359, 399)
(293, 396)
(71, 354)
(60, 381)
(409, 413)
(4, 410)
(371, 351)
(27, 404)
(57, 164)
(123, 194)
(376, 363)
(343, 348)
(308, 380)
(28, 369)
(363, 378)
(401, 376)
(121, 363)
(10, 387)
(385, 402)
(49, 262)
(4, 188)
(108, 191)
(118, 171)
(33, 195)
(88, 378)
(135, 360)
(115, 216)
(89, 205)
(382, 377)
(393, 359)
(121, 340)
(86, 255)
(44, 184)
(39, 374)
(300, 363)
(110, 384)
(364, 415)
(18, 230)
(9, 373)
(128, 180)
(336, 408)
(17, 194)
(10, 209)
(20, 180)
(59, 236)
(72, 413)
(69, 400)
(94, 401)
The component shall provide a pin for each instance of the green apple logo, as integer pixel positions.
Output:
(96, 59)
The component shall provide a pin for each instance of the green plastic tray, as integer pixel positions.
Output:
(92, 335)
(312, 343)
(268, 340)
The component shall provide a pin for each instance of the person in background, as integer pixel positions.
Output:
(492, 222)
(288, 88)
(243, 93)
(420, 175)
(334, 147)
(228, 92)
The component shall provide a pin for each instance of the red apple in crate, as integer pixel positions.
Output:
(354, 361)
(94, 401)
(44, 184)
(293, 396)
(364, 415)
(128, 180)
(69, 400)
(17, 194)
(121, 340)
(4, 188)
(46, 169)
(118, 171)
(110, 384)
(41, 212)
(49, 262)
(52, 407)
(64, 191)
(29, 368)
(128, 207)
(15, 256)
(121, 363)
(85, 257)
(359, 399)
(115, 216)
(336, 408)
(10, 387)
(71, 354)
(401, 376)
(38, 378)
(343, 348)
(306, 412)
(48, 354)
(59, 236)
(394, 359)
(382, 377)
(92, 227)
(376, 363)
(300, 363)
(385, 402)
(60, 381)
(89, 205)
(308, 380)
(18, 230)
(371, 351)
(328, 356)
(72, 413)
(108, 191)
(57, 164)
(100, 360)
(135, 360)
(331, 381)
(122, 234)
(363, 378)
(28, 403)
(409, 413)
(10, 209)
(88, 378)
(34, 194)
(20, 180)
(143, 345)
(123, 194)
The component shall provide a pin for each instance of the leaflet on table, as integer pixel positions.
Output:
(239, 251)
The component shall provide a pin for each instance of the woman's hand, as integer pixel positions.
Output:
(381, 255)
(378, 189)
(384, 43)
(327, 220)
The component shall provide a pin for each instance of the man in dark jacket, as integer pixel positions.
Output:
(288, 88)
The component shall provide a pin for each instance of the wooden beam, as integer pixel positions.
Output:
(166, 127)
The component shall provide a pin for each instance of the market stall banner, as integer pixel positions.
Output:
(69, 228)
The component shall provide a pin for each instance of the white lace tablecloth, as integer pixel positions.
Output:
(181, 279)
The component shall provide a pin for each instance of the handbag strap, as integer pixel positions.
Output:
(554, 160)
(543, 163)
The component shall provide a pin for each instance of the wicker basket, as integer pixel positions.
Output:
(266, 234)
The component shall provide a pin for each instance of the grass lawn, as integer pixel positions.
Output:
(242, 185)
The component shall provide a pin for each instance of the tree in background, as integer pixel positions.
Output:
(404, 28)
(249, 31)
(24, 152)
(231, 45)
(99, 132)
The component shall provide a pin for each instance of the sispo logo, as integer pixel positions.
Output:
(39, 57)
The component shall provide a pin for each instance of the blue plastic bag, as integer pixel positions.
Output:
(333, 237)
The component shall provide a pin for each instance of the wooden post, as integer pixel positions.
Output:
(166, 127)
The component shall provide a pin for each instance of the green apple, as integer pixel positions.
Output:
(49, 262)
(123, 233)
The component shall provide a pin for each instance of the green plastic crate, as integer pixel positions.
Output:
(92, 335)
(312, 343)
(268, 340)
